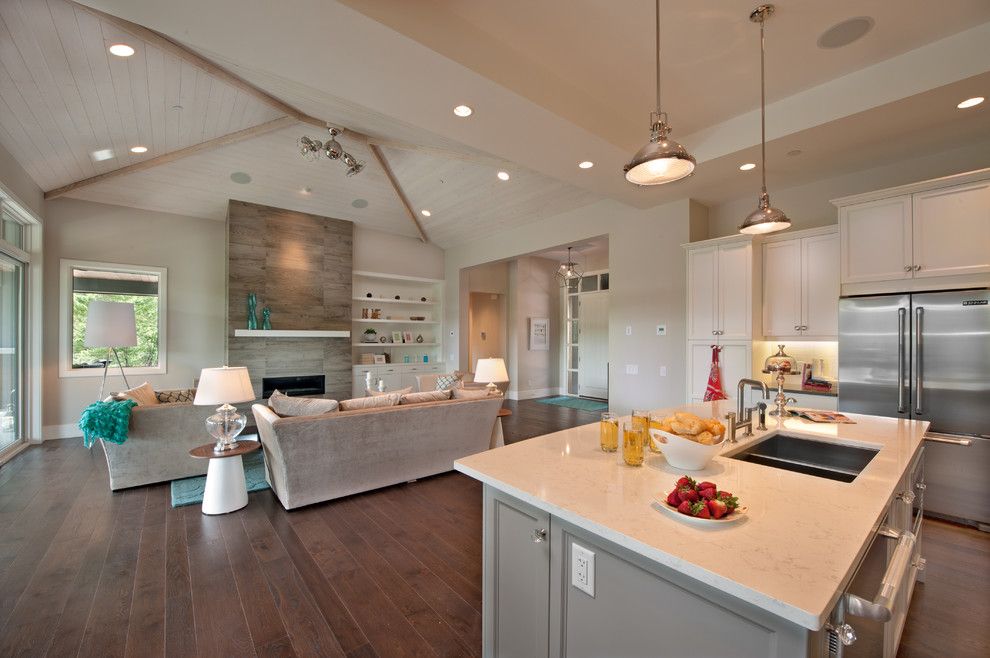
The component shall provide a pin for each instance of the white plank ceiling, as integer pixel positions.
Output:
(64, 96)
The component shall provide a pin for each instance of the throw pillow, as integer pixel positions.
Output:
(402, 391)
(176, 395)
(424, 396)
(470, 393)
(447, 382)
(286, 406)
(144, 395)
(373, 402)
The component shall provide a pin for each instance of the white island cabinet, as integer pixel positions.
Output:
(580, 562)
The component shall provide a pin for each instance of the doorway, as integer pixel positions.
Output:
(11, 351)
(587, 336)
(486, 321)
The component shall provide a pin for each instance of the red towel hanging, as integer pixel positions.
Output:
(714, 389)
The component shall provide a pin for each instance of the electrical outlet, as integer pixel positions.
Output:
(663, 371)
(632, 369)
(583, 569)
(661, 330)
(629, 330)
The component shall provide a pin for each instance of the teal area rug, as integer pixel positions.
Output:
(576, 403)
(189, 491)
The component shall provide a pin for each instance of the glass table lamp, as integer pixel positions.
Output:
(224, 386)
(492, 371)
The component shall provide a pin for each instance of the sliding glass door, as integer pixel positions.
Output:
(11, 356)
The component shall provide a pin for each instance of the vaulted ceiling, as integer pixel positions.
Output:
(552, 83)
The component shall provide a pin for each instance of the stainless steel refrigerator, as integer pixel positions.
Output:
(926, 356)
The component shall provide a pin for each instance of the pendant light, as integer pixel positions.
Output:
(662, 160)
(568, 271)
(766, 218)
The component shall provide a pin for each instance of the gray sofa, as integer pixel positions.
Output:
(159, 438)
(315, 458)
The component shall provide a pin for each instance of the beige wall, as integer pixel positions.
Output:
(647, 274)
(487, 323)
(808, 205)
(533, 293)
(193, 251)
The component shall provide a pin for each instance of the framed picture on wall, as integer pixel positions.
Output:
(539, 334)
(396, 336)
(407, 337)
(380, 359)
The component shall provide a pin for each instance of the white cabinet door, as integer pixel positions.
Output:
(782, 288)
(735, 300)
(876, 240)
(735, 361)
(820, 286)
(952, 231)
(702, 292)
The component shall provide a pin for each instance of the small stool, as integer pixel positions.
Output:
(226, 489)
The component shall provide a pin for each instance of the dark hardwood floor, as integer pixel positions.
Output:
(395, 572)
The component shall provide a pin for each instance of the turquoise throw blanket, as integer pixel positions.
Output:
(107, 421)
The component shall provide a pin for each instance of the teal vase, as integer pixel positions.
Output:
(266, 318)
(252, 306)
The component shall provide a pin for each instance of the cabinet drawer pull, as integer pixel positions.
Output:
(539, 535)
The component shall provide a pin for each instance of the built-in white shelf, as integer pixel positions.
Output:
(395, 344)
(291, 333)
(383, 300)
(395, 277)
(370, 321)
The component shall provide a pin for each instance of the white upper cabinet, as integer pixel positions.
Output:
(952, 231)
(876, 240)
(720, 299)
(820, 285)
(801, 286)
(782, 288)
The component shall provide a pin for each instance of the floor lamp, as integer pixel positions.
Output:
(110, 325)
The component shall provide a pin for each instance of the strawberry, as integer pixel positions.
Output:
(685, 507)
(707, 485)
(685, 481)
(707, 494)
(718, 508)
(700, 510)
(673, 499)
(730, 501)
(688, 494)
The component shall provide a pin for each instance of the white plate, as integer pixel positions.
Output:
(737, 515)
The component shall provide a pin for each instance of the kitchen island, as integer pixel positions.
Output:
(770, 584)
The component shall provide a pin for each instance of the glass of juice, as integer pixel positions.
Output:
(654, 425)
(632, 444)
(641, 420)
(610, 432)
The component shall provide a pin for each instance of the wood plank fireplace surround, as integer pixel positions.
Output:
(300, 266)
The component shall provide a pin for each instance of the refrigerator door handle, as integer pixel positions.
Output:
(901, 353)
(919, 314)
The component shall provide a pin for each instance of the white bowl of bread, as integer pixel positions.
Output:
(688, 441)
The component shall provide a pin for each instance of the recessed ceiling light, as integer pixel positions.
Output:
(503, 175)
(360, 203)
(463, 111)
(240, 177)
(971, 102)
(846, 32)
(425, 213)
(102, 154)
(306, 190)
(747, 166)
(587, 164)
(139, 149)
(121, 50)
(794, 152)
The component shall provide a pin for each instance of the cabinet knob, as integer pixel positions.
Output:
(844, 632)
(797, 327)
(907, 268)
(917, 268)
(920, 564)
(714, 333)
(920, 486)
(907, 497)
(804, 327)
(539, 535)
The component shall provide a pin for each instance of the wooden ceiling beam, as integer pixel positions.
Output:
(383, 163)
(223, 140)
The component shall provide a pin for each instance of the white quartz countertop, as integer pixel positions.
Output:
(792, 554)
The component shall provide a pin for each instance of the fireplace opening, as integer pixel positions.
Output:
(294, 386)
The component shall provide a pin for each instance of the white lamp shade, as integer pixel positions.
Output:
(491, 371)
(110, 324)
(223, 385)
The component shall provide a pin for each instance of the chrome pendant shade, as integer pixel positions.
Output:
(662, 160)
(568, 271)
(314, 149)
(766, 218)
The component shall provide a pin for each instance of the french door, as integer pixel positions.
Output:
(11, 351)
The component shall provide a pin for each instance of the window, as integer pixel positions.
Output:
(12, 229)
(144, 287)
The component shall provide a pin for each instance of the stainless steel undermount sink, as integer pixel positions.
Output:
(792, 453)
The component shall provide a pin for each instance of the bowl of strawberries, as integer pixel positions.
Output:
(701, 502)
